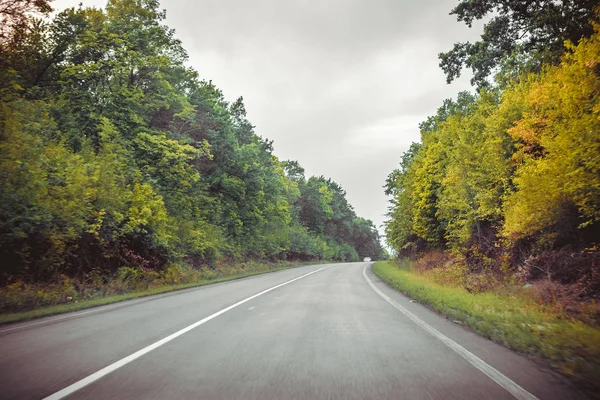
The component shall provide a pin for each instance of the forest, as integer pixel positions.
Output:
(117, 158)
(504, 186)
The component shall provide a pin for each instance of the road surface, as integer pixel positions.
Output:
(317, 332)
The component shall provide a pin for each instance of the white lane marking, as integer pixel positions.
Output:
(114, 366)
(495, 375)
(76, 314)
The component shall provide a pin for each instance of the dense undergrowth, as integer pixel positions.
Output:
(21, 300)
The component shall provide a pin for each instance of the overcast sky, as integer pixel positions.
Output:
(339, 85)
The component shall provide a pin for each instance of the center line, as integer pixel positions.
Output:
(61, 394)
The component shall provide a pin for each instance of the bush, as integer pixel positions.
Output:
(177, 274)
(20, 296)
(566, 300)
(580, 268)
(433, 259)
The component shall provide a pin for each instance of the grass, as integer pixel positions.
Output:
(81, 305)
(514, 320)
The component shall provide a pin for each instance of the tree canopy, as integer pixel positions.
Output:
(517, 35)
(114, 153)
(509, 173)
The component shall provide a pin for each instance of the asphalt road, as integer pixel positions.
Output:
(327, 335)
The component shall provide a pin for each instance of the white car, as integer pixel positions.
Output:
(367, 259)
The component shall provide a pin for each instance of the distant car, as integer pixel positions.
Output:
(367, 259)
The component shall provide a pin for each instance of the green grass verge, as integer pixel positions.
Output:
(512, 320)
(65, 308)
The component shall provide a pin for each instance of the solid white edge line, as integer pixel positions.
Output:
(495, 375)
(61, 394)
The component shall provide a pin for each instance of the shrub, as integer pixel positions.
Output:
(433, 259)
(19, 296)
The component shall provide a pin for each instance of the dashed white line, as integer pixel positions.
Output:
(61, 394)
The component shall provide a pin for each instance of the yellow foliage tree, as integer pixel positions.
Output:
(558, 156)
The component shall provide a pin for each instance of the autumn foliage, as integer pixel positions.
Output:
(508, 181)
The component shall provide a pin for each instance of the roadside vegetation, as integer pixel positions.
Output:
(22, 301)
(498, 206)
(121, 170)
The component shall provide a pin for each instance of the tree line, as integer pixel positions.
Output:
(508, 178)
(113, 152)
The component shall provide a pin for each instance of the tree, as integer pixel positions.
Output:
(293, 170)
(557, 196)
(15, 19)
(114, 154)
(478, 174)
(365, 239)
(315, 204)
(536, 29)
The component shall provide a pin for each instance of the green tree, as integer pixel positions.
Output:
(536, 29)
(315, 204)
(114, 154)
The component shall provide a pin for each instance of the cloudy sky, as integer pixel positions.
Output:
(339, 85)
